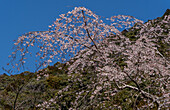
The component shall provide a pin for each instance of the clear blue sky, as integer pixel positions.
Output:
(20, 16)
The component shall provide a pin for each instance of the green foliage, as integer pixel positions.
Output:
(38, 91)
(132, 34)
(163, 48)
(57, 81)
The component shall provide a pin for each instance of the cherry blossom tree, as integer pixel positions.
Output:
(74, 31)
(85, 43)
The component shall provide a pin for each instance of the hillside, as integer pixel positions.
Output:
(128, 71)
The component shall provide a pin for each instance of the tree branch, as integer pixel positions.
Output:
(88, 31)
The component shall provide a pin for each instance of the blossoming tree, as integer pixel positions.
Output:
(85, 43)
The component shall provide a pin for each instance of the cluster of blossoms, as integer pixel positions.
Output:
(102, 49)
(123, 20)
(74, 31)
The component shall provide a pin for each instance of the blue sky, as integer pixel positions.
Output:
(20, 16)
